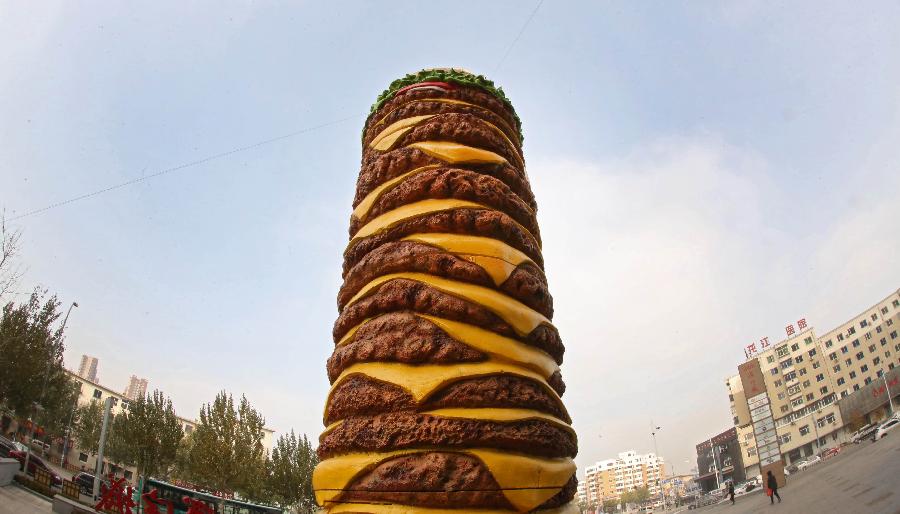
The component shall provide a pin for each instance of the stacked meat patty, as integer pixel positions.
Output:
(446, 388)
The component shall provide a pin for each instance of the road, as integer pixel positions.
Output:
(864, 478)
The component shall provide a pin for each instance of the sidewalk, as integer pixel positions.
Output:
(16, 500)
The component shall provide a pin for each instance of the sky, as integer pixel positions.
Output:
(706, 173)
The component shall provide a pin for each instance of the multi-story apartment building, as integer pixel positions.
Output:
(88, 368)
(610, 478)
(92, 391)
(137, 388)
(811, 381)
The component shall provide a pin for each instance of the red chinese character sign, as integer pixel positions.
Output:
(789, 330)
(801, 323)
(117, 498)
(152, 503)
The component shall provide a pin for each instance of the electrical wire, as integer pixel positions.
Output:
(516, 40)
(183, 166)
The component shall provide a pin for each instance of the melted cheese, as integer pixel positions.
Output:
(422, 380)
(385, 508)
(497, 414)
(410, 210)
(497, 346)
(522, 318)
(451, 152)
(362, 210)
(497, 258)
(525, 481)
(387, 137)
(440, 100)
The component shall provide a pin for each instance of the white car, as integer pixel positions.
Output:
(863, 433)
(886, 427)
(809, 462)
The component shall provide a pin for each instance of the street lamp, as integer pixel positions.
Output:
(653, 430)
(37, 405)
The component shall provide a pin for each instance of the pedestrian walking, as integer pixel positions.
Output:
(772, 485)
(731, 491)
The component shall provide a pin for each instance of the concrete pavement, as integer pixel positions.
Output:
(864, 478)
(16, 500)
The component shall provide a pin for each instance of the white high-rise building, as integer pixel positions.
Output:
(137, 388)
(88, 368)
(610, 478)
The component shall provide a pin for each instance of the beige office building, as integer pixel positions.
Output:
(610, 478)
(816, 381)
(137, 388)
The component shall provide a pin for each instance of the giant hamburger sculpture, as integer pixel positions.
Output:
(445, 394)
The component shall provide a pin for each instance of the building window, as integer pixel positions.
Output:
(851, 331)
(856, 343)
(787, 363)
(859, 356)
(770, 359)
(832, 356)
(896, 303)
(808, 340)
(786, 438)
(806, 383)
(852, 375)
(804, 430)
(879, 373)
(781, 351)
(878, 329)
(836, 368)
(884, 310)
(784, 408)
(868, 380)
(868, 335)
(844, 394)
(82, 457)
(863, 324)
(828, 344)
(802, 371)
(812, 353)
(799, 358)
(809, 397)
(840, 337)
(790, 376)
(98, 394)
(894, 334)
(778, 383)
(823, 390)
(844, 349)
(796, 402)
(883, 341)
(891, 366)
(773, 371)
(816, 365)
(874, 317)
(856, 387)
(820, 377)
(872, 348)
(795, 347)
(840, 381)
(780, 397)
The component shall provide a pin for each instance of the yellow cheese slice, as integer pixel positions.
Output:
(526, 481)
(522, 318)
(423, 379)
(498, 269)
(496, 414)
(362, 210)
(472, 245)
(451, 152)
(501, 347)
(411, 210)
(441, 100)
(387, 137)
(381, 508)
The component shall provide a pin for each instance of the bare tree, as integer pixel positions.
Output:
(10, 270)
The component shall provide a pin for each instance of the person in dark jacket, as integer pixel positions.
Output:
(772, 484)
(731, 491)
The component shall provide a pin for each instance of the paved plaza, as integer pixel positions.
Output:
(864, 478)
(17, 500)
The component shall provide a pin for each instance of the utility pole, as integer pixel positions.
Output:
(653, 429)
(37, 405)
(62, 458)
(98, 470)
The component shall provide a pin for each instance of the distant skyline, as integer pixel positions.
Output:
(706, 173)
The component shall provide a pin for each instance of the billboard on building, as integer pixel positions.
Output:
(859, 403)
(752, 378)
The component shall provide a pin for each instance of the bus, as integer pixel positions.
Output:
(166, 492)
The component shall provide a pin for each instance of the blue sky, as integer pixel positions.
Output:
(706, 172)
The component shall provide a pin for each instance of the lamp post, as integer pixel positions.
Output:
(37, 405)
(653, 430)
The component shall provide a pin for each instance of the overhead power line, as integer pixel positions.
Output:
(516, 40)
(183, 166)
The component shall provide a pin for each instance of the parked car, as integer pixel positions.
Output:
(831, 452)
(863, 433)
(85, 482)
(35, 462)
(790, 469)
(6, 447)
(812, 461)
(886, 427)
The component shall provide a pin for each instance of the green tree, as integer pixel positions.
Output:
(88, 422)
(28, 339)
(153, 433)
(293, 461)
(610, 505)
(226, 452)
(118, 449)
(10, 270)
